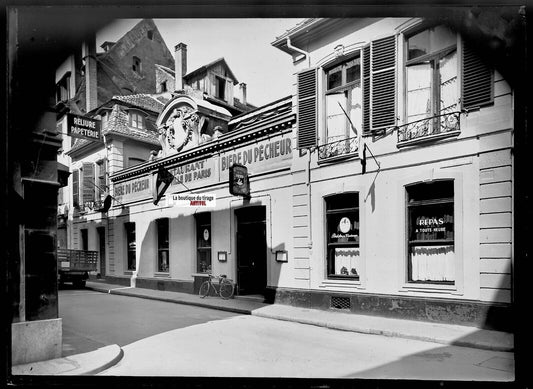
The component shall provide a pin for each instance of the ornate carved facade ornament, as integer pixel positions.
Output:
(179, 130)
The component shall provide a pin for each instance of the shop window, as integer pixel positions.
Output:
(131, 246)
(136, 120)
(203, 242)
(431, 75)
(162, 245)
(343, 100)
(342, 226)
(431, 249)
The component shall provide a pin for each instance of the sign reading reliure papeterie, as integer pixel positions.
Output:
(83, 127)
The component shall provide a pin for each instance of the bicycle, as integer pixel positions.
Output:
(225, 287)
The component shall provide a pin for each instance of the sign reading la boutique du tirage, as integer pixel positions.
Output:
(258, 157)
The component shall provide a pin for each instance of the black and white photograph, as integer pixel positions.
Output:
(266, 195)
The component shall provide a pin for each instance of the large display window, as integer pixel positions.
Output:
(342, 226)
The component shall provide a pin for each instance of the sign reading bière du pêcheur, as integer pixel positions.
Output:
(83, 127)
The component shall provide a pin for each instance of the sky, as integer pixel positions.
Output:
(245, 44)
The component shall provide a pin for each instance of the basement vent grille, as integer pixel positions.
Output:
(340, 303)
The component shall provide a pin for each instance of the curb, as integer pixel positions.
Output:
(90, 363)
(389, 333)
(123, 292)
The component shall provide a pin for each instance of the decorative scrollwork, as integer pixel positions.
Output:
(338, 148)
(179, 129)
(440, 124)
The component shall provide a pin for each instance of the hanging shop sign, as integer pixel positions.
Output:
(200, 200)
(239, 184)
(83, 127)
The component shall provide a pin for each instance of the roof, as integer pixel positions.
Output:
(210, 65)
(142, 100)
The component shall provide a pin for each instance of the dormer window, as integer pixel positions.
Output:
(136, 65)
(136, 120)
(163, 87)
(150, 34)
(221, 88)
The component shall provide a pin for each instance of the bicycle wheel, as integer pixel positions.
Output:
(204, 289)
(226, 289)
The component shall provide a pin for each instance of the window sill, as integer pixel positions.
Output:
(128, 272)
(337, 158)
(429, 288)
(352, 283)
(430, 138)
(162, 274)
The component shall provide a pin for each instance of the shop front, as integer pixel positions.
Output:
(175, 219)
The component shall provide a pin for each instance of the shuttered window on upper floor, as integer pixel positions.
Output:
(307, 108)
(478, 80)
(88, 182)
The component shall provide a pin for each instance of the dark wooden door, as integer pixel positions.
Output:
(101, 249)
(251, 251)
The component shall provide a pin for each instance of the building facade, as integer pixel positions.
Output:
(403, 203)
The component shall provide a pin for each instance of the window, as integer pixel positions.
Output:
(132, 161)
(430, 208)
(342, 227)
(136, 65)
(101, 181)
(131, 245)
(63, 89)
(136, 120)
(162, 245)
(203, 242)
(163, 87)
(343, 100)
(150, 34)
(220, 88)
(76, 189)
(88, 184)
(431, 75)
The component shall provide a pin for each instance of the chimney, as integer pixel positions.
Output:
(180, 58)
(88, 53)
(242, 93)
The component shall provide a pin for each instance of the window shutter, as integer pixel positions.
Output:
(478, 80)
(307, 109)
(88, 181)
(383, 83)
(366, 89)
(76, 188)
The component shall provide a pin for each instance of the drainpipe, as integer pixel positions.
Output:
(299, 51)
(309, 221)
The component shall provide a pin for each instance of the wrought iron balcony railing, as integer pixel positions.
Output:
(444, 124)
(341, 148)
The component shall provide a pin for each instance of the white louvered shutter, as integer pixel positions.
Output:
(478, 80)
(383, 83)
(307, 108)
(366, 89)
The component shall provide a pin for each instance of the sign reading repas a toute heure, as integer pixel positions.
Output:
(258, 157)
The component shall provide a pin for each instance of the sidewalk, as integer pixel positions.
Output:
(101, 359)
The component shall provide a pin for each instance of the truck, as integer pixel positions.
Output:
(74, 266)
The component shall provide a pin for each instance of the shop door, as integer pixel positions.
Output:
(251, 251)
(101, 249)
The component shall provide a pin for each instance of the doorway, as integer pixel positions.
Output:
(101, 249)
(251, 250)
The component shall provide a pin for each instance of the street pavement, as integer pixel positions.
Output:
(282, 341)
